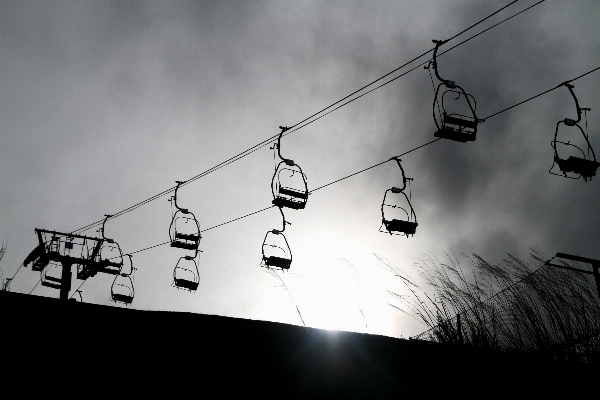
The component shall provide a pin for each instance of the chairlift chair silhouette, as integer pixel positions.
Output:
(44, 253)
(397, 213)
(288, 185)
(52, 275)
(184, 231)
(576, 165)
(121, 290)
(186, 275)
(110, 255)
(276, 251)
(453, 125)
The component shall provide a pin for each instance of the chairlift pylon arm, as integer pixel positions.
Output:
(438, 43)
(179, 183)
(570, 87)
(284, 221)
(107, 216)
(404, 178)
(287, 160)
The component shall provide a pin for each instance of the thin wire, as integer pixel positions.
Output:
(77, 290)
(36, 285)
(302, 123)
(371, 167)
(412, 69)
(543, 93)
(228, 222)
(366, 169)
(13, 277)
(314, 190)
(477, 23)
(400, 67)
(491, 27)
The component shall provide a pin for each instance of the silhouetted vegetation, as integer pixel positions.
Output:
(516, 306)
(3, 280)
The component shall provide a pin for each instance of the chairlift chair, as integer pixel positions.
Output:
(186, 275)
(276, 252)
(453, 125)
(397, 213)
(121, 290)
(185, 229)
(110, 256)
(44, 253)
(573, 166)
(52, 275)
(288, 185)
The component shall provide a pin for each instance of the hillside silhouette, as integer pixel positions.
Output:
(51, 345)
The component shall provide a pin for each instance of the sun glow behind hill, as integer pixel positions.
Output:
(340, 286)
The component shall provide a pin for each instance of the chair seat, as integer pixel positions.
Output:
(587, 168)
(293, 192)
(461, 122)
(185, 284)
(406, 227)
(51, 284)
(278, 262)
(123, 298)
(457, 136)
(295, 205)
(183, 245)
(191, 237)
(53, 279)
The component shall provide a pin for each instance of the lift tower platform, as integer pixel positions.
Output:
(66, 250)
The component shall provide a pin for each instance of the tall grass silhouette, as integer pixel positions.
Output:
(520, 305)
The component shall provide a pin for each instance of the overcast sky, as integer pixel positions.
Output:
(104, 104)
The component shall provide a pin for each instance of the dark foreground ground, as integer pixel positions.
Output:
(73, 349)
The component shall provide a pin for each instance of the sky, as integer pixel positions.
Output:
(104, 104)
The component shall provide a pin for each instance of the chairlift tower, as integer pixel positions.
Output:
(595, 266)
(67, 249)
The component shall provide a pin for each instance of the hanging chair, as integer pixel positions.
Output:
(186, 275)
(43, 253)
(52, 275)
(121, 290)
(457, 122)
(397, 214)
(110, 256)
(184, 231)
(288, 185)
(570, 158)
(276, 252)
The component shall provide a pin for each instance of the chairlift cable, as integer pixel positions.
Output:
(36, 285)
(302, 123)
(310, 192)
(13, 277)
(373, 166)
(356, 173)
(541, 94)
(395, 70)
(78, 288)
